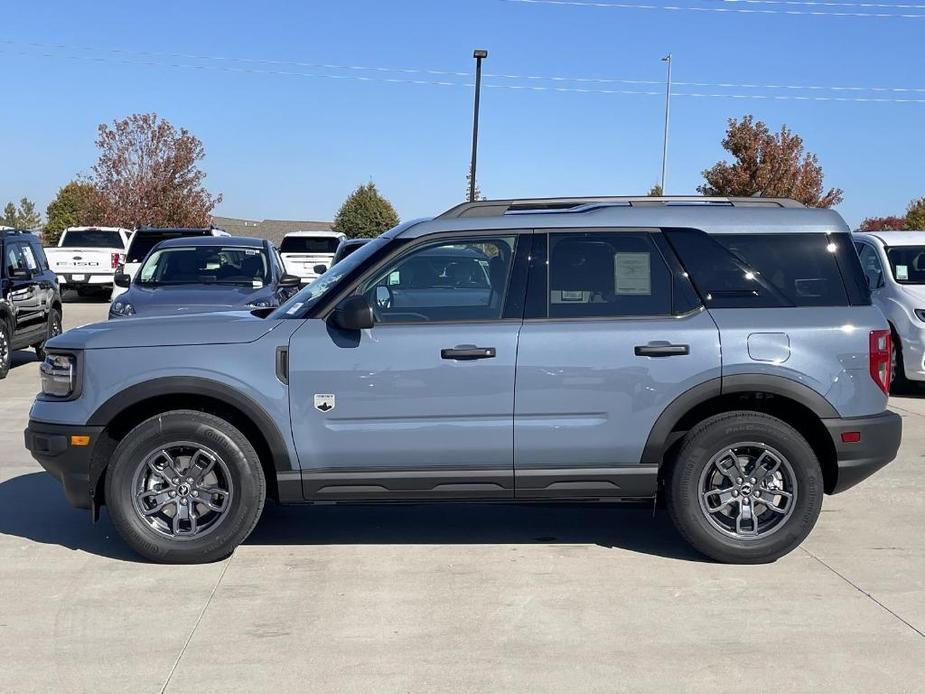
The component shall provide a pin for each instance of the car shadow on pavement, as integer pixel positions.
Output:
(33, 507)
(21, 357)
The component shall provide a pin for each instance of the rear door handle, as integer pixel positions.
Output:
(662, 350)
(467, 353)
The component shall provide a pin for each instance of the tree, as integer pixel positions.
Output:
(768, 165)
(478, 192)
(22, 217)
(655, 191)
(915, 215)
(891, 223)
(148, 173)
(365, 213)
(77, 204)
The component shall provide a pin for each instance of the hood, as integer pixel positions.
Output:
(916, 293)
(231, 327)
(191, 298)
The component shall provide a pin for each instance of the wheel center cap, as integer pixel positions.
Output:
(183, 489)
(746, 489)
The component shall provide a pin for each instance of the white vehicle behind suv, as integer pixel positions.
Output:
(86, 258)
(304, 251)
(894, 264)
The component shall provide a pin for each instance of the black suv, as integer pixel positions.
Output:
(30, 302)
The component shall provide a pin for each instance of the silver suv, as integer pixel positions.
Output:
(723, 353)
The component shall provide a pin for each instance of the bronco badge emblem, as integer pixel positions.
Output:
(324, 402)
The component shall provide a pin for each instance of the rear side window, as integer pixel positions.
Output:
(309, 244)
(602, 274)
(765, 270)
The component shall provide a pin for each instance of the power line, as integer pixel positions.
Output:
(450, 73)
(446, 83)
(724, 10)
(819, 3)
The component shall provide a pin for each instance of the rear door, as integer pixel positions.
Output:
(612, 335)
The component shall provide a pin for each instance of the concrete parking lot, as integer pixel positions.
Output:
(458, 598)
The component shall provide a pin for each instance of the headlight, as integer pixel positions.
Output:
(122, 308)
(59, 375)
(920, 314)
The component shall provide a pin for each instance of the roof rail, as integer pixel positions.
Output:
(491, 208)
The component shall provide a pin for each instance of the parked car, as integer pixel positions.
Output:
(196, 275)
(143, 239)
(346, 247)
(894, 267)
(722, 352)
(87, 257)
(30, 303)
(308, 254)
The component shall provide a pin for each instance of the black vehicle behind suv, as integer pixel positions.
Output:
(30, 301)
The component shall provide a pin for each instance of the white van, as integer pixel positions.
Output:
(304, 251)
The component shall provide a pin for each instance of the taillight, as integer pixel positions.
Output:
(880, 348)
(115, 259)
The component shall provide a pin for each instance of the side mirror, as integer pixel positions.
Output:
(287, 281)
(122, 280)
(320, 269)
(353, 313)
(20, 273)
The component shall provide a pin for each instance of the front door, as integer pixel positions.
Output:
(421, 405)
(612, 336)
(24, 296)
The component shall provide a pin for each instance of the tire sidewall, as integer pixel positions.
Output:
(696, 454)
(244, 469)
(53, 317)
(6, 355)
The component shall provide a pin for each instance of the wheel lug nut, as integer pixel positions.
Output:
(175, 480)
(757, 493)
(173, 493)
(190, 479)
(753, 480)
(735, 492)
(195, 493)
(738, 480)
(746, 501)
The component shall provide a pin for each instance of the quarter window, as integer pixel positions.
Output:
(594, 275)
(870, 263)
(457, 280)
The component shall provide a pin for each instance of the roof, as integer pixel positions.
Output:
(12, 231)
(318, 233)
(896, 238)
(209, 241)
(127, 231)
(712, 215)
(271, 229)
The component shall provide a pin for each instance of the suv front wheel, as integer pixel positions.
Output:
(745, 488)
(185, 487)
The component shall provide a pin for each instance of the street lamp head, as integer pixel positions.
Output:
(480, 53)
(667, 58)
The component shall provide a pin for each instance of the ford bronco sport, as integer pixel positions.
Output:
(721, 352)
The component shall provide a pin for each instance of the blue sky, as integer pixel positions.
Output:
(293, 146)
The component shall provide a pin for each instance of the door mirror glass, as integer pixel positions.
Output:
(353, 313)
(120, 279)
(17, 273)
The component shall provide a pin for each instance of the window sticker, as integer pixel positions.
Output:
(294, 309)
(257, 284)
(632, 274)
(902, 272)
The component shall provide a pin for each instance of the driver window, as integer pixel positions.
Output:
(14, 258)
(454, 280)
(873, 269)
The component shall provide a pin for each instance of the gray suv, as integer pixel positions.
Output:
(720, 353)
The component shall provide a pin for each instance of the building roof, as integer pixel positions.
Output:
(271, 229)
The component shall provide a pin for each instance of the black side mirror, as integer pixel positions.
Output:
(353, 313)
(320, 269)
(287, 281)
(20, 273)
(122, 280)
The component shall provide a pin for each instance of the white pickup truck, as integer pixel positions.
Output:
(86, 258)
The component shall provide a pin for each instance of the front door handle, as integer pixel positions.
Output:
(662, 350)
(467, 353)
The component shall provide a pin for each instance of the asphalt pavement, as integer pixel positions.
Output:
(458, 598)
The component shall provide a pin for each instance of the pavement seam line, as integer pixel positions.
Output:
(864, 592)
(195, 626)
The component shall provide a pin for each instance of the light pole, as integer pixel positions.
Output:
(479, 55)
(666, 59)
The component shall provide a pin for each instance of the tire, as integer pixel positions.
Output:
(141, 479)
(52, 330)
(6, 349)
(899, 384)
(702, 492)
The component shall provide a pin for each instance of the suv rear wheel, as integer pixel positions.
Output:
(746, 488)
(185, 487)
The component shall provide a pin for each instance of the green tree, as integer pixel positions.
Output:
(365, 213)
(478, 191)
(22, 217)
(655, 191)
(77, 204)
(768, 164)
(915, 215)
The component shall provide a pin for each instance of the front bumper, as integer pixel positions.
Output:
(878, 443)
(50, 445)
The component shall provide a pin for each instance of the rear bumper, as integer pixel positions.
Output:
(81, 279)
(880, 436)
(50, 445)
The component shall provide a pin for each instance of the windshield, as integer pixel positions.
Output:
(206, 265)
(91, 238)
(908, 263)
(313, 293)
(309, 244)
(143, 242)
